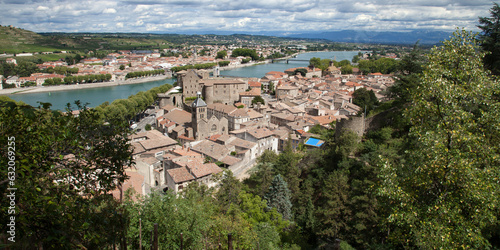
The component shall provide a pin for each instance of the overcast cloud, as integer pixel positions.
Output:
(174, 16)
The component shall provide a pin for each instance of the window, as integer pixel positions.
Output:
(214, 127)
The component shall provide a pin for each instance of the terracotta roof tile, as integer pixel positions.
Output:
(230, 160)
(180, 175)
(201, 170)
(260, 133)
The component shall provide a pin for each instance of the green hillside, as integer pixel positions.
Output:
(16, 40)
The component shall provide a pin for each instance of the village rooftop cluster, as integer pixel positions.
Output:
(117, 65)
(208, 124)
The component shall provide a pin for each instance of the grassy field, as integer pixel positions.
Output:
(45, 58)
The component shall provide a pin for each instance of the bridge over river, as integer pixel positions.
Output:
(289, 60)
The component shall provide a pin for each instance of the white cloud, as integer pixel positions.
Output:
(109, 11)
(242, 15)
(141, 8)
(42, 8)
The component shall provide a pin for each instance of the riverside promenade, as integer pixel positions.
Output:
(40, 89)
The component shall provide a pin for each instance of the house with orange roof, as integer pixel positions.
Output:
(277, 74)
(375, 75)
(254, 84)
(352, 86)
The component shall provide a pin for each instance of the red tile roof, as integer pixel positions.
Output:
(201, 170)
(180, 175)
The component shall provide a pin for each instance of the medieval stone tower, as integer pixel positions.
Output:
(199, 117)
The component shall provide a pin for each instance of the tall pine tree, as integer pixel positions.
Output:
(278, 197)
(490, 39)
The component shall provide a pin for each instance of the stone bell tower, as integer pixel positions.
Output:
(199, 117)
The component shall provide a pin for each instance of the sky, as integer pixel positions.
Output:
(197, 16)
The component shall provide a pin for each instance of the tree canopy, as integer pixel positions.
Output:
(447, 193)
(490, 38)
(64, 167)
(258, 99)
(245, 53)
(365, 99)
(221, 54)
(278, 196)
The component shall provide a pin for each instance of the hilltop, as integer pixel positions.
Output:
(17, 40)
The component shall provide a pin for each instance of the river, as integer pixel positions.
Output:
(96, 96)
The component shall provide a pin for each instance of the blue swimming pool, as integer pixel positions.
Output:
(314, 142)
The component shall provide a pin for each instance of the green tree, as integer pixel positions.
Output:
(322, 64)
(57, 81)
(190, 214)
(229, 188)
(268, 237)
(48, 82)
(407, 76)
(315, 61)
(258, 99)
(446, 194)
(254, 209)
(347, 69)
(344, 63)
(365, 99)
(65, 166)
(302, 72)
(278, 196)
(286, 166)
(122, 67)
(490, 39)
(224, 63)
(355, 59)
(221, 54)
(333, 210)
(245, 53)
(24, 69)
(260, 178)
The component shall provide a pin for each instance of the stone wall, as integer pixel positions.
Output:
(170, 99)
(353, 123)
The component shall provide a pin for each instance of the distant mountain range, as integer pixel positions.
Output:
(351, 36)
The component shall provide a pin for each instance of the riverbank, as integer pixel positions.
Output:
(230, 67)
(41, 89)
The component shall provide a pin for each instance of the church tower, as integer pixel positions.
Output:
(199, 117)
